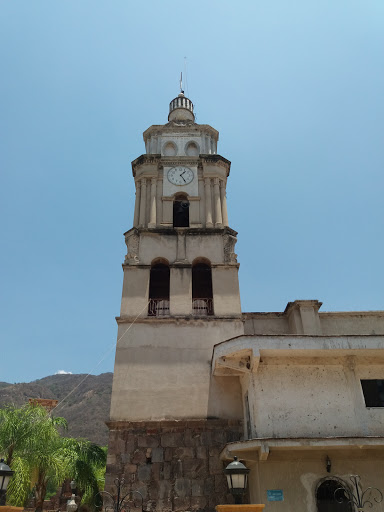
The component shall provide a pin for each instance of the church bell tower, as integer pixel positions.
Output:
(170, 417)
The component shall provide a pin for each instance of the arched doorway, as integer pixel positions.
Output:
(325, 497)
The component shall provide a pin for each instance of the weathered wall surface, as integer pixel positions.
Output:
(299, 479)
(175, 465)
(327, 324)
(312, 401)
(163, 371)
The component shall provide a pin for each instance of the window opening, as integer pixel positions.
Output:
(202, 297)
(159, 290)
(325, 497)
(181, 213)
(373, 391)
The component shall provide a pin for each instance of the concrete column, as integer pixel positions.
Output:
(223, 197)
(208, 203)
(137, 205)
(152, 211)
(216, 196)
(181, 291)
(181, 250)
(143, 202)
(159, 203)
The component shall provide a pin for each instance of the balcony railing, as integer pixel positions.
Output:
(202, 307)
(158, 307)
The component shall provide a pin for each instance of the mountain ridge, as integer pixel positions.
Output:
(86, 405)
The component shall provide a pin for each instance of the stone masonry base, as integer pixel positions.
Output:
(174, 464)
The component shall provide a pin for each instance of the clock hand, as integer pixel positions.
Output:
(183, 178)
(182, 173)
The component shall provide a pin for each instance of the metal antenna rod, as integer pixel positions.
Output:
(181, 83)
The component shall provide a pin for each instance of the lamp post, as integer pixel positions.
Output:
(71, 504)
(120, 501)
(5, 475)
(237, 478)
(357, 497)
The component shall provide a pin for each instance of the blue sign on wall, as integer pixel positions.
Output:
(275, 495)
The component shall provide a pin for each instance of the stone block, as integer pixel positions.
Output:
(164, 505)
(219, 437)
(165, 490)
(215, 466)
(182, 487)
(147, 442)
(195, 468)
(142, 488)
(201, 452)
(157, 454)
(155, 470)
(198, 503)
(129, 442)
(192, 438)
(172, 439)
(144, 473)
(176, 468)
(209, 486)
(168, 454)
(129, 469)
(214, 451)
(153, 490)
(166, 471)
(181, 504)
(197, 487)
(206, 438)
(184, 452)
(221, 485)
(125, 457)
(139, 457)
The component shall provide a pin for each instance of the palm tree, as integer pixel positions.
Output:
(29, 440)
(86, 463)
(35, 450)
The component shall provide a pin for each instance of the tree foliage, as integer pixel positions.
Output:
(32, 445)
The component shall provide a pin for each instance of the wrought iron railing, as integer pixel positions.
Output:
(158, 307)
(202, 307)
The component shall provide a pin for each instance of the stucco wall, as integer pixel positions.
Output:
(299, 478)
(327, 323)
(312, 400)
(163, 371)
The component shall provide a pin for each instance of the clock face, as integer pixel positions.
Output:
(180, 175)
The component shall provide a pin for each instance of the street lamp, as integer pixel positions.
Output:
(237, 477)
(358, 498)
(71, 504)
(5, 476)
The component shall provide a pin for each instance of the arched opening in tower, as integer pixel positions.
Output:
(180, 212)
(202, 296)
(159, 290)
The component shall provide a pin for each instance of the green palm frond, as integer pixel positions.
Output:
(19, 487)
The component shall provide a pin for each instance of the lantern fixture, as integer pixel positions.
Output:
(237, 478)
(5, 476)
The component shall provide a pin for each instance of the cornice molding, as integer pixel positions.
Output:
(172, 127)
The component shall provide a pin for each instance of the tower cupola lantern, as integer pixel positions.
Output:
(181, 109)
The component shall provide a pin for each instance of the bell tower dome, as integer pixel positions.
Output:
(181, 109)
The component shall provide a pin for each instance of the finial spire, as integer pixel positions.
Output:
(181, 83)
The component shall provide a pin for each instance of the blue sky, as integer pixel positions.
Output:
(296, 91)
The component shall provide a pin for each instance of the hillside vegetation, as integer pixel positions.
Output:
(86, 409)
